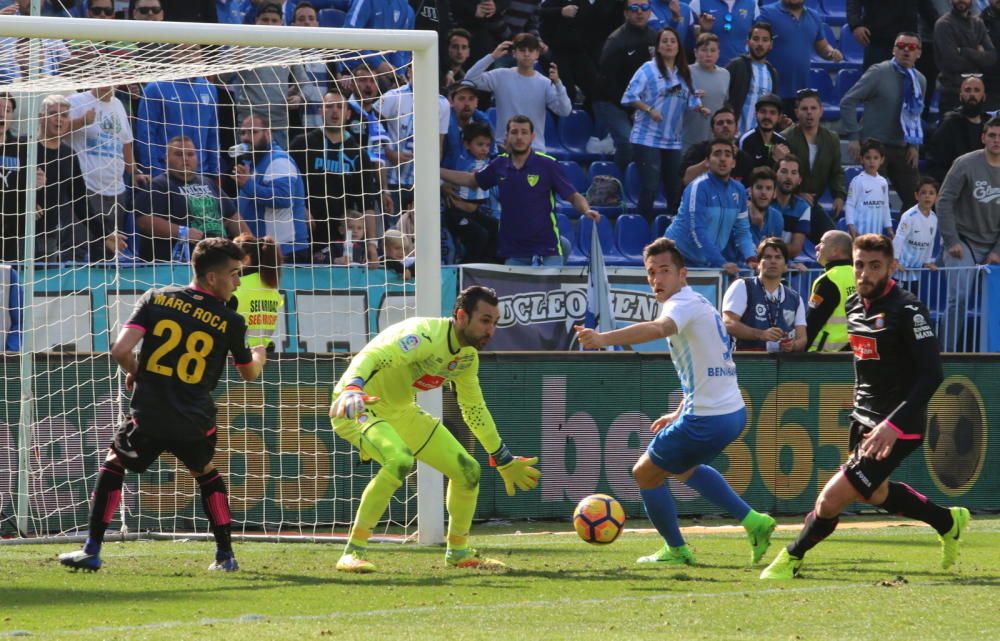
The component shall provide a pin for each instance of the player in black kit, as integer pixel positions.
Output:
(897, 367)
(187, 334)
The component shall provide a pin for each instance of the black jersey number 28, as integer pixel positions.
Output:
(190, 364)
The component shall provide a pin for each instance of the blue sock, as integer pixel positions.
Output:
(663, 513)
(92, 547)
(709, 483)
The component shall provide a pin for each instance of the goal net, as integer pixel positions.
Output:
(123, 143)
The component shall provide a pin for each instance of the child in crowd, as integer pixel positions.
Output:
(867, 208)
(398, 253)
(356, 249)
(914, 241)
(468, 214)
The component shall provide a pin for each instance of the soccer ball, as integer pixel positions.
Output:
(599, 519)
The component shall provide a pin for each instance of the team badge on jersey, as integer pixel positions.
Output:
(532, 180)
(409, 342)
(879, 322)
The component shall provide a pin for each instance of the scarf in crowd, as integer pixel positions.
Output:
(913, 106)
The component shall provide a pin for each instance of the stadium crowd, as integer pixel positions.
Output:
(704, 121)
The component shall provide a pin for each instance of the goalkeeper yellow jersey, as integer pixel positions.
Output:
(420, 354)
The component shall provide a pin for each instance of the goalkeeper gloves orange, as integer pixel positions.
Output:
(516, 471)
(350, 403)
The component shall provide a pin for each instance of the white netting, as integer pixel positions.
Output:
(106, 231)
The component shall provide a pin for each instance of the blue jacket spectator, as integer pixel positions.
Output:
(713, 213)
(797, 30)
(664, 17)
(731, 22)
(172, 108)
(272, 196)
(232, 11)
(381, 14)
(10, 321)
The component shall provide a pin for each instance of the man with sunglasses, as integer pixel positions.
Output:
(875, 23)
(730, 20)
(625, 50)
(961, 46)
(892, 94)
(148, 10)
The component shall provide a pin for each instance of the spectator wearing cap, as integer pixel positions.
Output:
(797, 31)
(818, 150)
(464, 102)
(522, 90)
(892, 95)
(962, 46)
(875, 24)
(730, 20)
(751, 76)
(762, 143)
(625, 50)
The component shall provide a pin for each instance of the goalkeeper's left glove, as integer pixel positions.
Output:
(516, 471)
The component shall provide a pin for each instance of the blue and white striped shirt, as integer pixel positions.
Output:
(760, 84)
(670, 96)
(913, 243)
(466, 162)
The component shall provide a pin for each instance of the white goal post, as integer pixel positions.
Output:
(426, 199)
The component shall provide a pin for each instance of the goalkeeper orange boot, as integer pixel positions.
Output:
(355, 559)
(470, 559)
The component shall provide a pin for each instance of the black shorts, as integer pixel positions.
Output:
(866, 473)
(137, 448)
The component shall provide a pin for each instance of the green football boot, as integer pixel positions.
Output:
(670, 556)
(783, 568)
(950, 540)
(759, 529)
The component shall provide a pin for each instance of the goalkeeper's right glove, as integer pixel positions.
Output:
(350, 403)
(516, 471)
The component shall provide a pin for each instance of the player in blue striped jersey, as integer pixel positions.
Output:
(660, 92)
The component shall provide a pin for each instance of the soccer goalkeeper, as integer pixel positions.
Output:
(374, 409)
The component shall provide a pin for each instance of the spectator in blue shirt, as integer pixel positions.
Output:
(795, 210)
(797, 30)
(730, 20)
(170, 108)
(232, 11)
(765, 220)
(272, 196)
(528, 182)
(381, 14)
(713, 213)
(464, 109)
(660, 91)
(676, 15)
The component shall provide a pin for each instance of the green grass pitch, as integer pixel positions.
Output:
(879, 583)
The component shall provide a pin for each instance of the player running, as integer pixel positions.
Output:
(897, 368)
(709, 418)
(186, 334)
(421, 354)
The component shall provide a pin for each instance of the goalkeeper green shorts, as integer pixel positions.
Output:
(414, 426)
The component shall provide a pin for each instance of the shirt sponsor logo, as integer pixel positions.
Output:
(722, 371)
(865, 348)
(921, 329)
(409, 343)
(428, 382)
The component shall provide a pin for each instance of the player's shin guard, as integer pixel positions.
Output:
(374, 501)
(816, 529)
(662, 512)
(707, 481)
(104, 503)
(215, 502)
(906, 501)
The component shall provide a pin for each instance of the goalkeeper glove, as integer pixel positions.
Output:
(516, 471)
(350, 403)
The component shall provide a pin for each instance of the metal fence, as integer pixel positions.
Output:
(955, 297)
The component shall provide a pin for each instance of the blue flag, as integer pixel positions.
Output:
(600, 314)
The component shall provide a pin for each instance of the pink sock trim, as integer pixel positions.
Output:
(114, 498)
(218, 508)
(914, 492)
